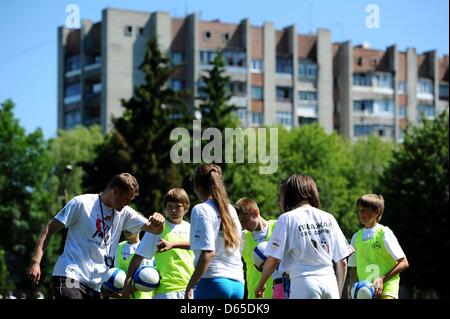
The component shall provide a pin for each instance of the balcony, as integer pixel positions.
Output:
(72, 99)
(308, 110)
(239, 101)
(72, 73)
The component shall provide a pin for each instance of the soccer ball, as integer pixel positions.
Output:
(146, 278)
(258, 254)
(363, 290)
(114, 279)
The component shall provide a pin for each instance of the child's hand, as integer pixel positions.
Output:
(156, 223)
(128, 291)
(259, 291)
(378, 284)
(164, 245)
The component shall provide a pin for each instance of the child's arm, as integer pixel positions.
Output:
(341, 273)
(128, 289)
(202, 264)
(401, 265)
(351, 280)
(165, 245)
(269, 266)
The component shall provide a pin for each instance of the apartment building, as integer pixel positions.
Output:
(276, 76)
(380, 91)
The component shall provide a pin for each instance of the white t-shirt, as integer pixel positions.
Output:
(390, 241)
(307, 240)
(205, 235)
(260, 236)
(147, 247)
(85, 247)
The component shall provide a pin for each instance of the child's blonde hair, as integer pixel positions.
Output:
(177, 195)
(245, 207)
(372, 201)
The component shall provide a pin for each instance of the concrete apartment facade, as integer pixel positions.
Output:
(381, 91)
(276, 76)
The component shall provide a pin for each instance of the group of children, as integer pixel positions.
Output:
(307, 252)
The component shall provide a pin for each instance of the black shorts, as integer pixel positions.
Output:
(68, 288)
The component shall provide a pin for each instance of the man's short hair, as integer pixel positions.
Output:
(177, 195)
(125, 182)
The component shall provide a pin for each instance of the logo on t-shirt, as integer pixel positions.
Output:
(102, 225)
(197, 235)
(376, 245)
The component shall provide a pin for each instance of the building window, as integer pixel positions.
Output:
(237, 88)
(177, 58)
(384, 80)
(207, 35)
(306, 120)
(307, 97)
(72, 89)
(206, 57)
(235, 58)
(257, 118)
(72, 118)
(425, 86)
(128, 30)
(362, 79)
(284, 94)
(177, 85)
(363, 106)
(284, 65)
(94, 88)
(425, 109)
(242, 114)
(359, 60)
(443, 90)
(225, 37)
(401, 86)
(384, 106)
(257, 65)
(257, 93)
(141, 30)
(284, 118)
(73, 63)
(307, 70)
(402, 111)
(362, 130)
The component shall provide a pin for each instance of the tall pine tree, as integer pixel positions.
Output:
(215, 95)
(140, 142)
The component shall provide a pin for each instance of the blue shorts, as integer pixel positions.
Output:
(219, 288)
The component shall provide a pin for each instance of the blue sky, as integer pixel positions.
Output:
(28, 30)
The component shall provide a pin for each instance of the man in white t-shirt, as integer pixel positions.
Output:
(94, 222)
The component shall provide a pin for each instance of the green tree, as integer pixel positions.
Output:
(416, 192)
(140, 142)
(5, 281)
(215, 95)
(70, 151)
(24, 167)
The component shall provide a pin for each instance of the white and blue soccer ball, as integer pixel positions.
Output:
(363, 290)
(146, 278)
(114, 279)
(258, 254)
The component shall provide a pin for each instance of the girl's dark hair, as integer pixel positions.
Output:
(300, 187)
(208, 182)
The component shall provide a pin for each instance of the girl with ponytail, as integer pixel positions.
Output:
(215, 238)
